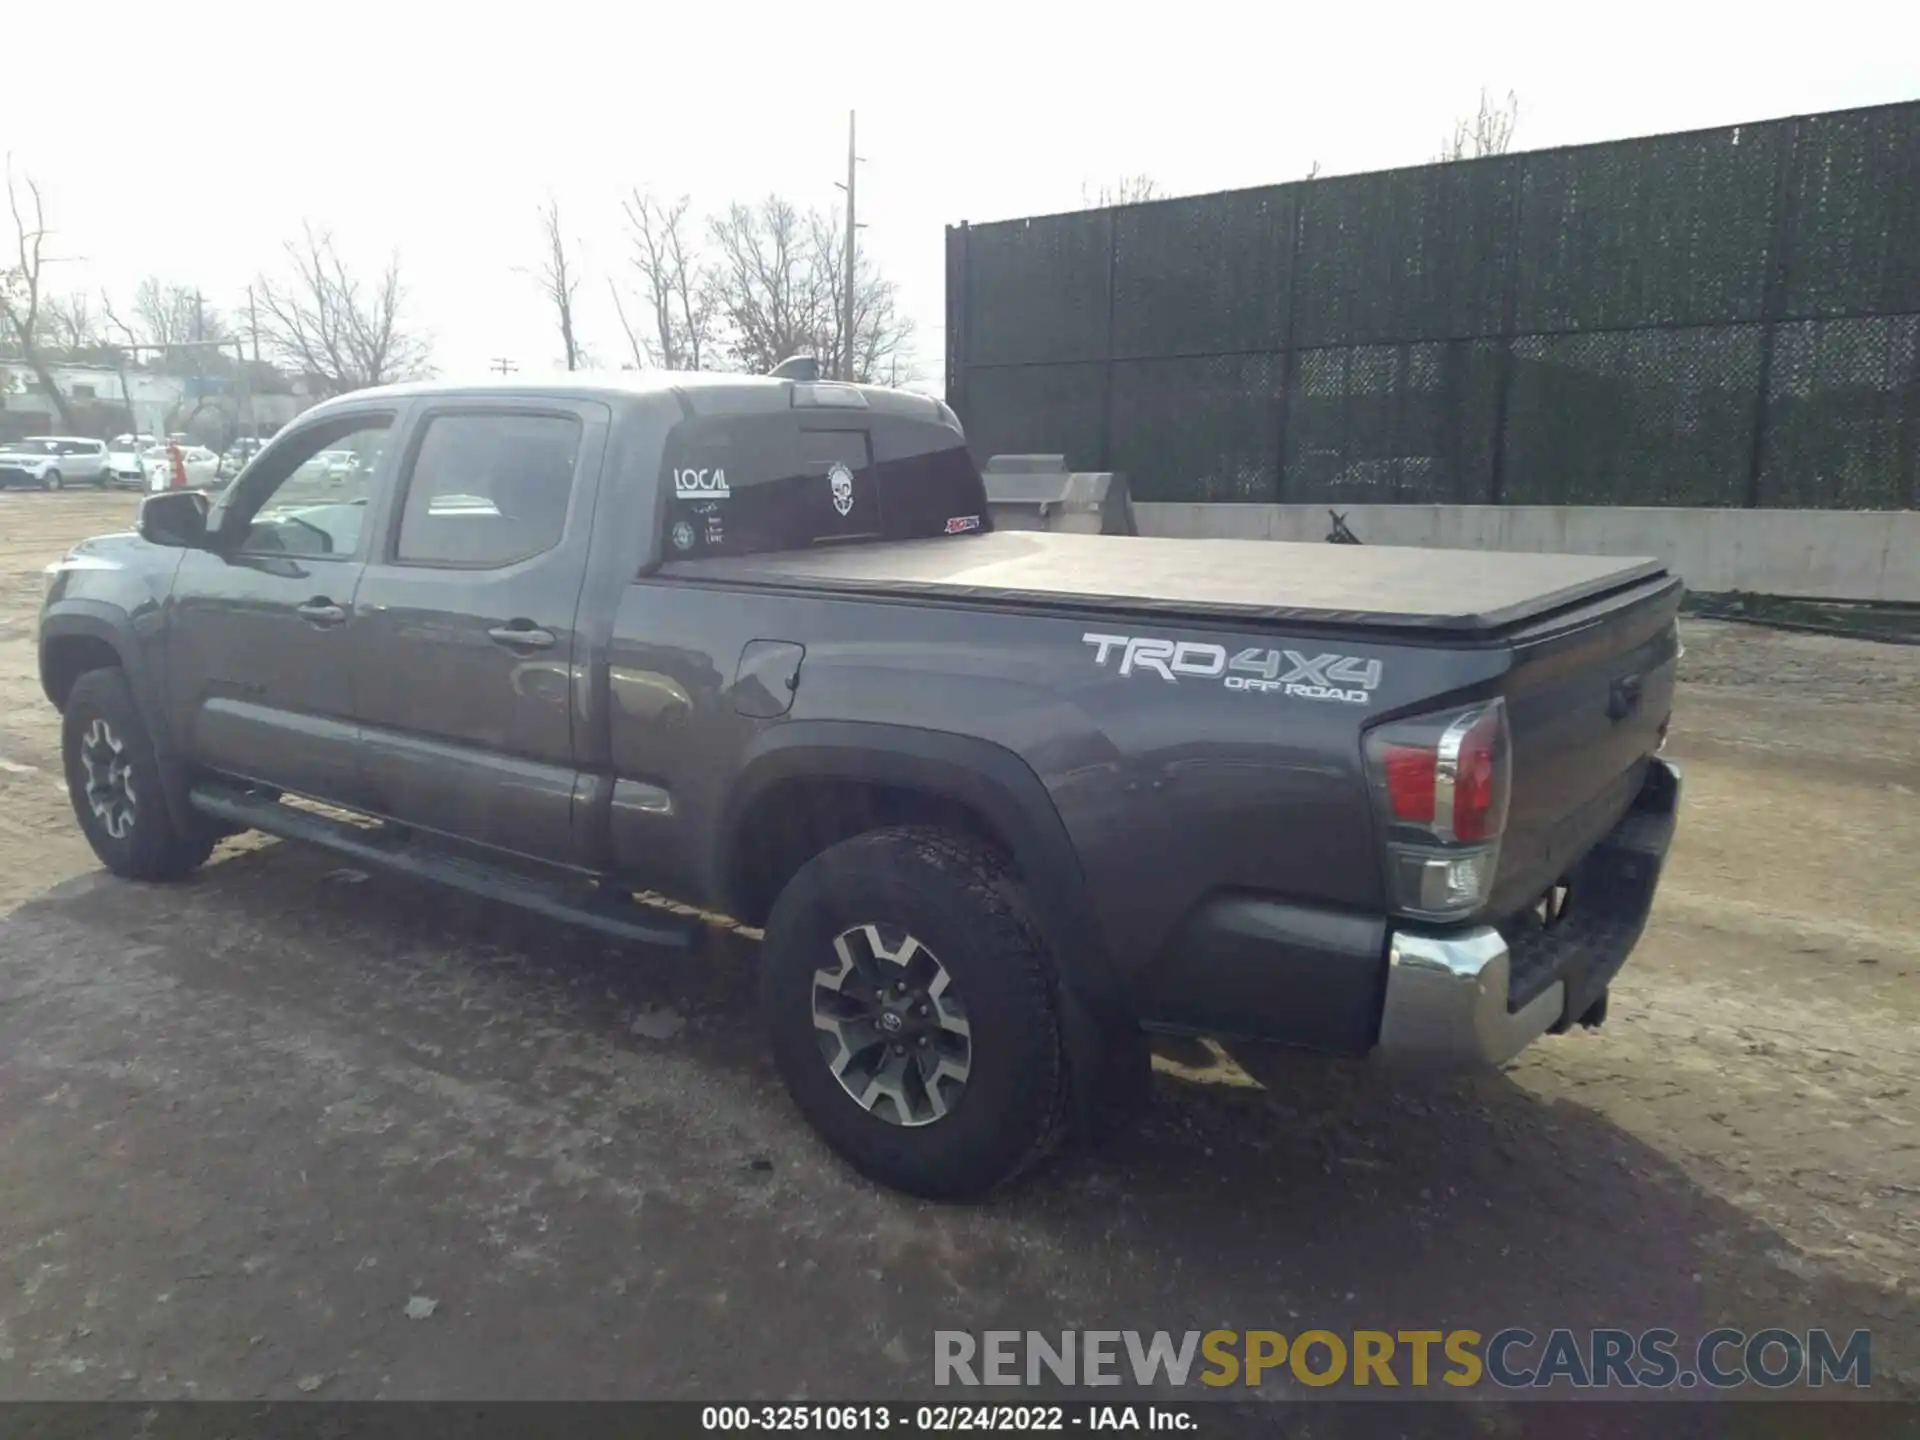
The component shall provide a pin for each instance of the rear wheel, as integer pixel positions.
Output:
(913, 1013)
(113, 779)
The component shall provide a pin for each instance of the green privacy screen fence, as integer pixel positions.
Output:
(1727, 317)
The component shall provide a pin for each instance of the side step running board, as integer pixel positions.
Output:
(405, 854)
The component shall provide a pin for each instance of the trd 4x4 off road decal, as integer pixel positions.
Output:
(1348, 679)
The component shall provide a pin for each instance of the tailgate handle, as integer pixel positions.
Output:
(1624, 697)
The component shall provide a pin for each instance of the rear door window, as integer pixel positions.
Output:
(747, 484)
(488, 489)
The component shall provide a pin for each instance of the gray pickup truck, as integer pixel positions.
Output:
(1002, 802)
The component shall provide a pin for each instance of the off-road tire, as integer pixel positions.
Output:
(152, 848)
(956, 896)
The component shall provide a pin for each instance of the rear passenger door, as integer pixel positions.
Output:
(464, 666)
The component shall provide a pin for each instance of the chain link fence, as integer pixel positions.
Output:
(1727, 317)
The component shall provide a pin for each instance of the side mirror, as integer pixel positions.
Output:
(176, 518)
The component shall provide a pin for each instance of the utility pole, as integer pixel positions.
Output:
(502, 366)
(199, 317)
(253, 325)
(853, 226)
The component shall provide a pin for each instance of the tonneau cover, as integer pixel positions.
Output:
(1271, 580)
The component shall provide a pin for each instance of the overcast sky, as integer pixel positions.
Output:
(190, 140)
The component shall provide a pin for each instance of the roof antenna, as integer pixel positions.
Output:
(797, 367)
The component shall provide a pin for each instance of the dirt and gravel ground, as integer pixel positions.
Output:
(245, 1120)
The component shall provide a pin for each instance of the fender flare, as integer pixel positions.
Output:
(114, 627)
(985, 777)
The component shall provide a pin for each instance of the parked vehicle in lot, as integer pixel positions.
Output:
(234, 458)
(52, 462)
(1001, 801)
(339, 466)
(202, 466)
(123, 459)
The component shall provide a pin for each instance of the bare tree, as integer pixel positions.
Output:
(680, 300)
(777, 281)
(773, 298)
(22, 293)
(170, 314)
(329, 323)
(1127, 190)
(70, 323)
(1488, 131)
(128, 339)
(882, 335)
(559, 278)
(120, 351)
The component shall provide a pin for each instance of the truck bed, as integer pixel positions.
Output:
(1460, 591)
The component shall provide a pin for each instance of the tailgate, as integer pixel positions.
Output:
(1588, 700)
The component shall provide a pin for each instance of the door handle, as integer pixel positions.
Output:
(522, 635)
(322, 612)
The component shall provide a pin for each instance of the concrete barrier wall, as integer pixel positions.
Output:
(1817, 554)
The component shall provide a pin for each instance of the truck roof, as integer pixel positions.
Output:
(700, 392)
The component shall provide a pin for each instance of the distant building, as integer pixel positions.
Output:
(107, 401)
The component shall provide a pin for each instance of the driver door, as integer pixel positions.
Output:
(262, 627)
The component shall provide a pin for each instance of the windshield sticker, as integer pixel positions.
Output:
(682, 535)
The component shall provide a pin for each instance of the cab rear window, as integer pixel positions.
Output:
(749, 484)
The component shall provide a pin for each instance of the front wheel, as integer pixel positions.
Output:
(51, 480)
(913, 1012)
(113, 779)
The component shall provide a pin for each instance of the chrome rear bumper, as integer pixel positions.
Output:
(1447, 1002)
(1450, 999)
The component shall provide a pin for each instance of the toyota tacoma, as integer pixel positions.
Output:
(1002, 803)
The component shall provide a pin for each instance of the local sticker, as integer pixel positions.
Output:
(701, 484)
(682, 535)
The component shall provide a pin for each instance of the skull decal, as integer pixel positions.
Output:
(841, 478)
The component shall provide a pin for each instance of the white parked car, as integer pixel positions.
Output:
(340, 465)
(203, 466)
(53, 462)
(123, 459)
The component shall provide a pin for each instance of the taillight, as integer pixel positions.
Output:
(1410, 772)
(1441, 783)
(1478, 754)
